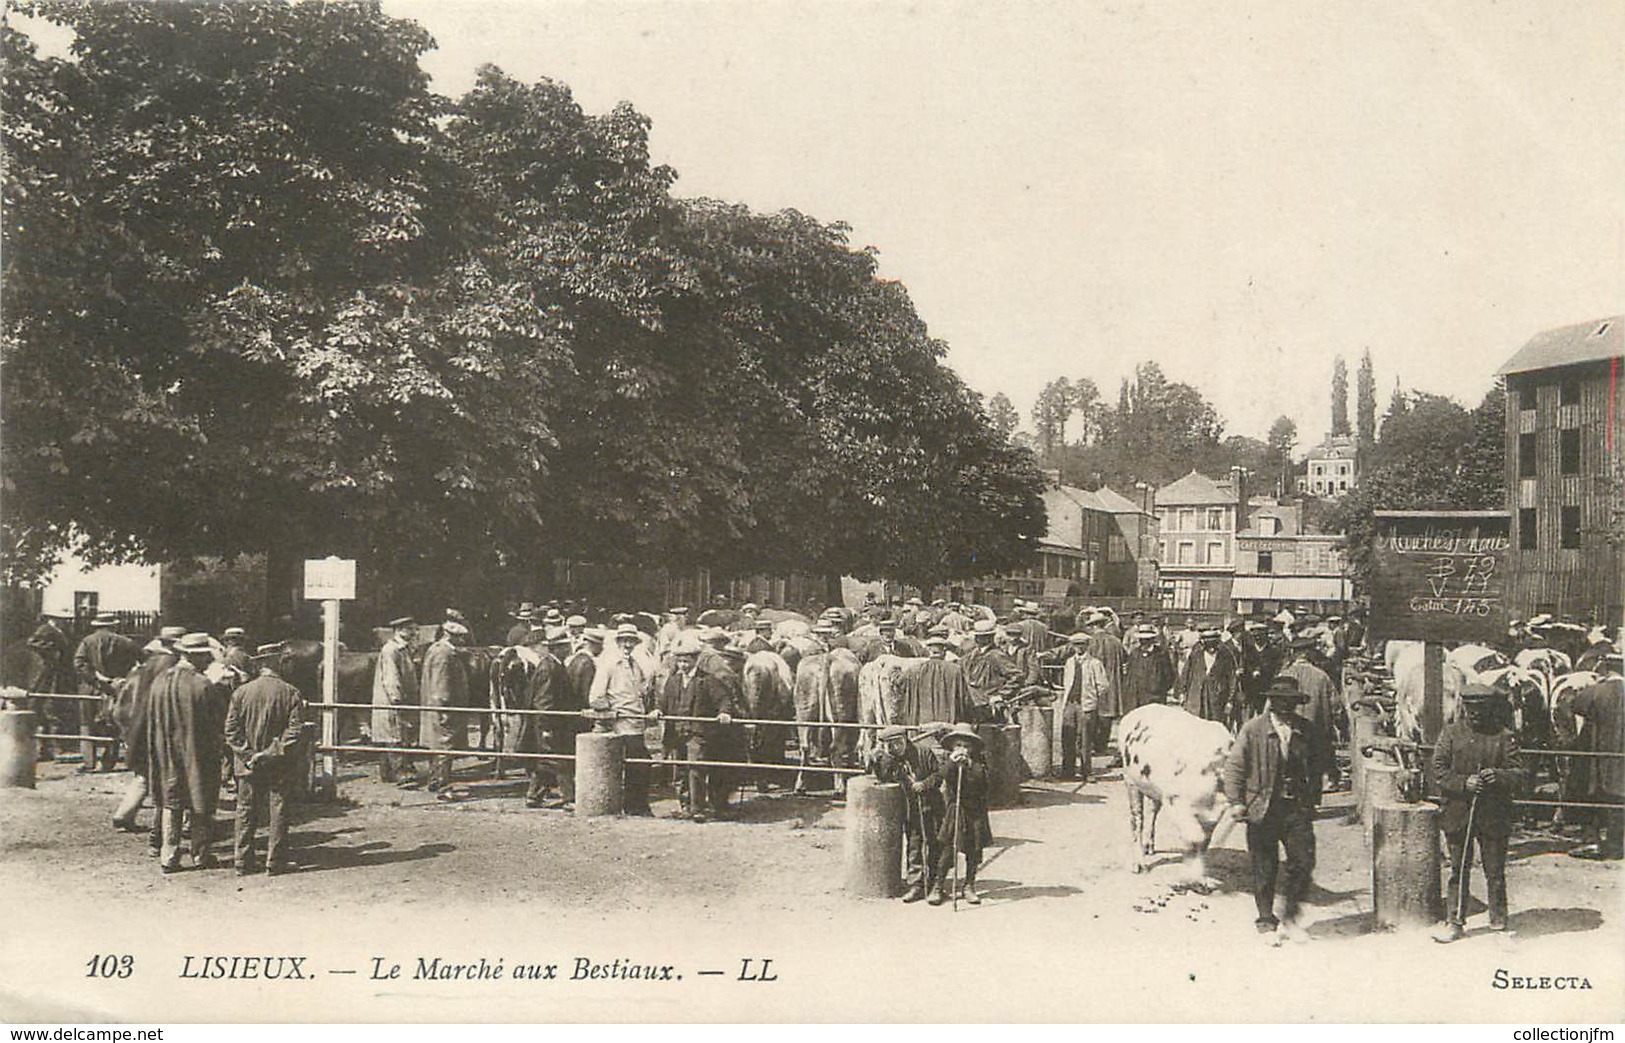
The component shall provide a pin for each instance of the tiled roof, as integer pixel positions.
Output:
(1568, 345)
(1193, 490)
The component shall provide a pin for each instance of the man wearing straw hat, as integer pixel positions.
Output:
(104, 656)
(622, 692)
(692, 692)
(1476, 763)
(263, 728)
(1273, 778)
(184, 727)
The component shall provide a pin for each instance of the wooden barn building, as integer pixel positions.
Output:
(1565, 471)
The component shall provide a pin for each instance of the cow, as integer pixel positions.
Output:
(1175, 759)
(768, 685)
(826, 691)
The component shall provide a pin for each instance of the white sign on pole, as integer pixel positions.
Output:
(329, 579)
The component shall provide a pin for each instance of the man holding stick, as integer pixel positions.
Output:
(1476, 763)
(910, 756)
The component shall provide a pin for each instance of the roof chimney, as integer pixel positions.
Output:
(1238, 482)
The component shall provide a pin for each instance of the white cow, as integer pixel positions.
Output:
(1463, 665)
(1176, 760)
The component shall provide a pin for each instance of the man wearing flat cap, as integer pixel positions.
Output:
(444, 684)
(691, 692)
(1478, 771)
(1207, 681)
(911, 757)
(1147, 673)
(1083, 684)
(264, 725)
(1273, 779)
(395, 683)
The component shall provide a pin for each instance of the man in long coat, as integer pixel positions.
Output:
(50, 642)
(909, 757)
(1147, 674)
(1323, 701)
(1207, 682)
(991, 674)
(264, 724)
(185, 723)
(445, 683)
(135, 708)
(395, 683)
(1108, 648)
(550, 689)
(103, 658)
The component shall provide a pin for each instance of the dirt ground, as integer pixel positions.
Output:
(1067, 932)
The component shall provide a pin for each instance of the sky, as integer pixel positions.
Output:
(1237, 191)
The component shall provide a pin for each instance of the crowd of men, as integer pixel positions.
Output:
(196, 716)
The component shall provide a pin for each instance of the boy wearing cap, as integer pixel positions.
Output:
(1476, 763)
(912, 758)
(395, 683)
(263, 728)
(962, 777)
(1273, 777)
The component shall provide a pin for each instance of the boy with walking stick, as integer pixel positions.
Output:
(966, 828)
(1476, 763)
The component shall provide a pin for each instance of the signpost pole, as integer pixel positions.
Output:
(330, 684)
(1432, 716)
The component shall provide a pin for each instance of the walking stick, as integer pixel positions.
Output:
(959, 787)
(1466, 862)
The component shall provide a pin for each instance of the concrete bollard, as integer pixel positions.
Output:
(1405, 865)
(1365, 726)
(1036, 729)
(17, 749)
(1002, 748)
(1381, 787)
(600, 786)
(873, 853)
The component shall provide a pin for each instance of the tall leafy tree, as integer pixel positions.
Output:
(1340, 397)
(1282, 439)
(1051, 411)
(1001, 413)
(1365, 396)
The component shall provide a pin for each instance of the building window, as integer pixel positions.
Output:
(1187, 521)
(1526, 455)
(1162, 550)
(1204, 596)
(1187, 552)
(1568, 451)
(1526, 397)
(1570, 532)
(1568, 392)
(1215, 552)
(1266, 562)
(1116, 548)
(1526, 529)
(1215, 519)
(1176, 594)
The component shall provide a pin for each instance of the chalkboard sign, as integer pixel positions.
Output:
(1440, 575)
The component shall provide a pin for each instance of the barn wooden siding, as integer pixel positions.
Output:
(1586, 581)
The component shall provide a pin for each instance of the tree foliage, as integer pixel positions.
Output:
(1432, 454)
(1340, 397)
(265, 291)
(1365, 396)
(1281, 440)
